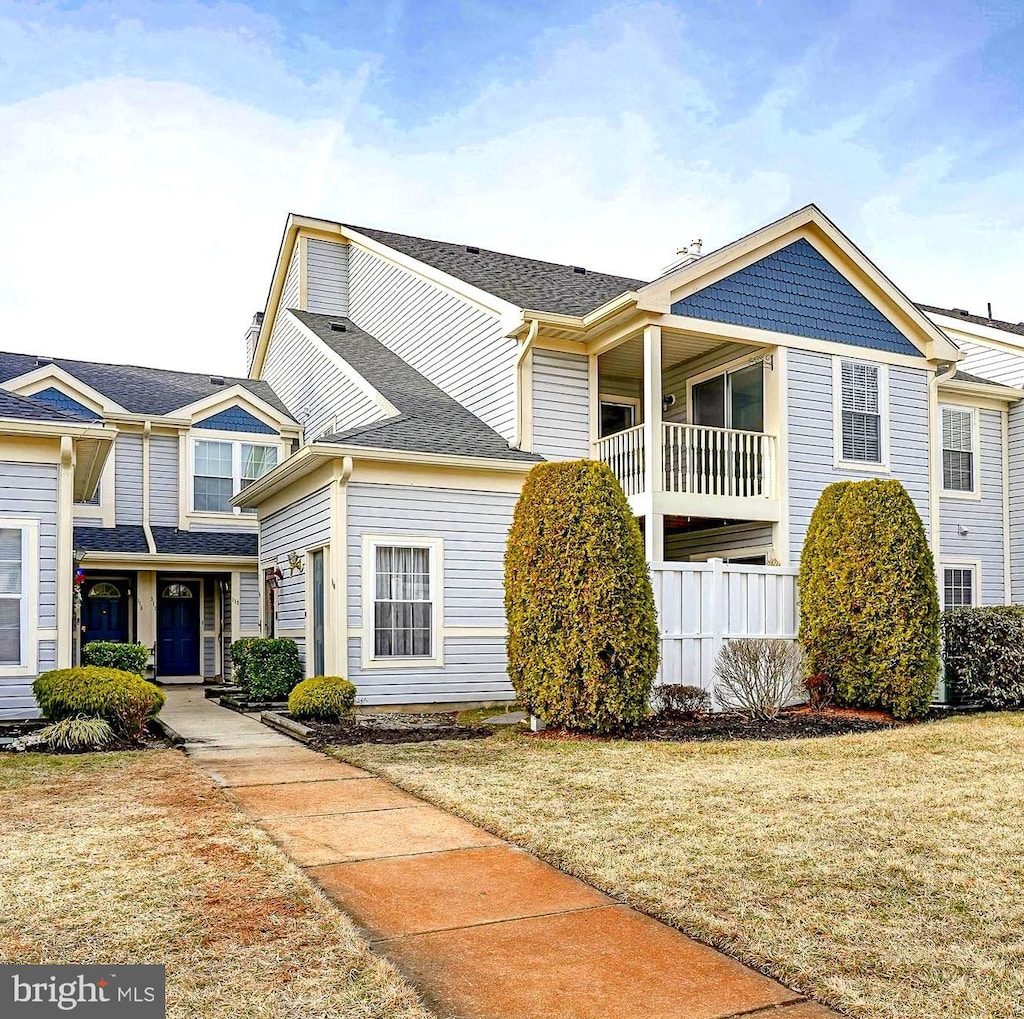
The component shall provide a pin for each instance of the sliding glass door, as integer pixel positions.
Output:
(732, 400)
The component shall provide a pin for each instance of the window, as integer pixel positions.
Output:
(223, 468)
(104, 589)
(177, 591)
(957, 449)
(861, 401)
(617, 415)
(958, 584)
(13, 610)
(734, 399)
(402, 601)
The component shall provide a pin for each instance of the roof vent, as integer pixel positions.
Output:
(684, 256)
(216, 380)
(579, 270)
(962, 312)
(472, 249)
(338, 327)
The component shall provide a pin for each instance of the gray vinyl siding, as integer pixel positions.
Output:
(718, 541)
(473, 527)
(561, 405)
(982, 518)
(209, 663)
(304, 524)
(458, 346)
(163, 480)
(249, 595)
(128, 479)
(308, 378)
(30, 490)
(811, 465)
(326, 277)
(992, 363)
(1016, 458)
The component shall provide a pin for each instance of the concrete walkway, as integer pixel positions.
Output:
(483, 930)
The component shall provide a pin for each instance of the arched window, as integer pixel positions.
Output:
(104, 589)
(177, 591)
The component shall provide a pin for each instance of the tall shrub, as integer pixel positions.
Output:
(984, 655)
(267, 668)
(582, 628)
(869, 610)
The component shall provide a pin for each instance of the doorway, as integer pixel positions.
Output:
(105, 610)
(732, 400)
(316, 562)
(177, 627)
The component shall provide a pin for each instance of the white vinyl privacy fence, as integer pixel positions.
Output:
(701, 605)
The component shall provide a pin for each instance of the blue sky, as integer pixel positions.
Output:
(150, 151)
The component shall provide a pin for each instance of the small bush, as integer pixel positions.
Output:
(984, 656)
(110, 655)
(582, 629)
(682, 701)
(758, 676)
(819, 691)
(869, 610)
(124, 699)
(323, 699)
(71, 734)
(270, 667)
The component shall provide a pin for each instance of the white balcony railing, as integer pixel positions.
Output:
(696, 460)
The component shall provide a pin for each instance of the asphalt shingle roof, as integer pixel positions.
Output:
(979, 320)
(526, 282)
(429, 421)
(139, 390)
(961, 376)
(22, 408)
(169, 541)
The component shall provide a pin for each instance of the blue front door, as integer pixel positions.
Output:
(104, 610)
(177, 628)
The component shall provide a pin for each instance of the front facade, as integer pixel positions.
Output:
(400, 389)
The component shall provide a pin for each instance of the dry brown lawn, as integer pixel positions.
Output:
(135, 857)
(882, 873)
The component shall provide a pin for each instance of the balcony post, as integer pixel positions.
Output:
(654, 523)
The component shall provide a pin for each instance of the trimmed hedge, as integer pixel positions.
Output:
(869, 610)
(582, 628)
(111, 655)
(124, 699)
(267, 667)
(984, 656)
(322, 698)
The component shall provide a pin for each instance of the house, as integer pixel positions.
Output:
(725, 395)
(127, 473)
(355, 491)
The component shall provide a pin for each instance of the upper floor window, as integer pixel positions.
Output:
(958, 450)
(224, 467)
(861, 402)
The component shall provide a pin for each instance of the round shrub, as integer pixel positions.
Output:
(582, 626)
(322, 699)
(112, 655)
(869, 609)
(266, 667)
(125, 700)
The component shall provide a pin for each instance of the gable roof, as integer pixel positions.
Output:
(24, 408)
(528, 283)
(978, 320)
(429, 421)
(139, 390)
(796, 290)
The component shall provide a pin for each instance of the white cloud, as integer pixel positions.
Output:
(142, 218)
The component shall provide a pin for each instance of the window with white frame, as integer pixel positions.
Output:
(958, 449)
(13, 603)
(959, 584)
(861, 403)
(403, 600)
(223, 467)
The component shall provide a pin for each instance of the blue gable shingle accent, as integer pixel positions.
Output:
(796, 290)
(60, 401)
(235, 419)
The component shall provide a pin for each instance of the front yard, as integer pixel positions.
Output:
(883, 873)
(135, 857)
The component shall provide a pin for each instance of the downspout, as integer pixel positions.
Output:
(337, 601)
(524, 351)
(934, 515)
(147, 429)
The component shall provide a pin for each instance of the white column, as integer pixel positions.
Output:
(654, 522)
(65, 550)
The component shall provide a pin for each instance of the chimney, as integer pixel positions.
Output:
(684, 256)
(252, 334)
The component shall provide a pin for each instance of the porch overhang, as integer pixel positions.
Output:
(168, 563)
(722, 507)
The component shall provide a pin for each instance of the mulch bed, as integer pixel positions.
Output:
(393, 728)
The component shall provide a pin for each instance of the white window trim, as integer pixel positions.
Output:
(955, 493)
(838, 462)
(747, 360)
(623, 401)
(28, 666)
(371, 542)
(960, 563)
(236, 439)
(743, 552)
